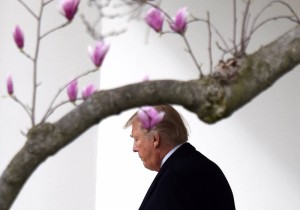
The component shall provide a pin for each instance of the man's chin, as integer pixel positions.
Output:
(145, 165)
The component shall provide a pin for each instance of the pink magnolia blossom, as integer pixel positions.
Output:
(88, 91)
(179, 23)
(149, 117)
(68, 8)
(9, 85)
(72, 90)
(155, 19)
(98, 53)
(18, 37)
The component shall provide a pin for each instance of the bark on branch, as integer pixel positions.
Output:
(212, 98)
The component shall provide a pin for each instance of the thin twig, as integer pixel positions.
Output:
(244, 28)
(253, 30)
(189, 50)
(90, 29)
(99, 20)
(101, 14)
(195, 19)
(47, 2)
(225, 51)
(48, 112)
(27, 110)
(100, 36)
(28, 9)
(209, 43)
(169, 18)
(53, 109)
(291, 10)
(35, 70)
(273, 19)
(54, 29)
(255, 26)
(259, 14)
(234, 27)
(27, 55)
(134, 11)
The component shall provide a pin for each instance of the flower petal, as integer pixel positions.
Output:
(18, 37)
(72, 90)
(155, 18)
(98, 53)
(88, 91)
(9, 85)
(143, 117)
(157, 119)
(68, 8)
(179, 23)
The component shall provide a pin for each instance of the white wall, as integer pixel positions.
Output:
(257, 147)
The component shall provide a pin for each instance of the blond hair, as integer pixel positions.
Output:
(172, 125)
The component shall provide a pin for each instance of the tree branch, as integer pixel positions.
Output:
(208, 97)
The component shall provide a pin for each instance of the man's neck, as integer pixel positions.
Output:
(169, 153)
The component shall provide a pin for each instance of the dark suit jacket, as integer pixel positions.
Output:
(189, 181)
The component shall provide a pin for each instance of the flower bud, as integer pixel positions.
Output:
(149, 117)
(72, 90)
(179, 23)
(98, 53)
(18, 37)
(9, 85)
(88, 91)
(68, 8)
(155, 19)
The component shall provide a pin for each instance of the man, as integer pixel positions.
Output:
(186, 179)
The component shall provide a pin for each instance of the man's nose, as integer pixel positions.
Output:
(134, 148)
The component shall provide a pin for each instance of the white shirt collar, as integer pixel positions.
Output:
(169, 154)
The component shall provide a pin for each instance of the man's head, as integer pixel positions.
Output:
(154, 143)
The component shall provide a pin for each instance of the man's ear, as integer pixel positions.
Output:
(156, 139)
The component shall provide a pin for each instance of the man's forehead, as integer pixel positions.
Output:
(136, 130)
(134, 133)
